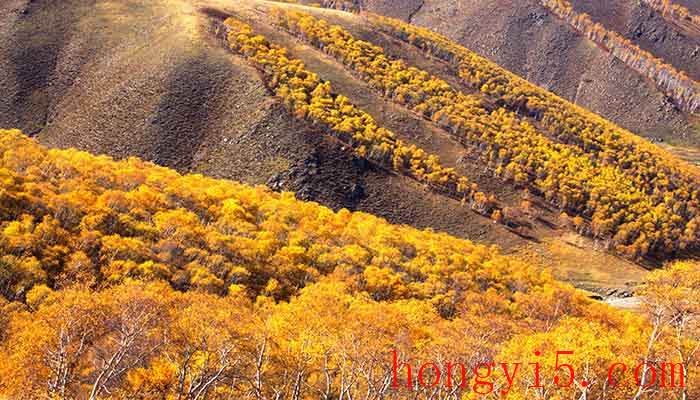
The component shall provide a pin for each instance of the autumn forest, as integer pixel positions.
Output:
(122, 278)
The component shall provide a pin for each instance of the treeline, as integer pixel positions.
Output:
(309, 97)
(637, 198)
(564, 121)
(121, 279)
(558, 118)
(684, 90)
(677, 14)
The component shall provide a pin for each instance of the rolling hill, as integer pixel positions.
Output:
(207, 199)
(156, 81)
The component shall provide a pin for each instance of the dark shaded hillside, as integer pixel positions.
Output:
(36, 37)
(525, 38)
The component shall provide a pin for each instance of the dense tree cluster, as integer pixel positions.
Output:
(309, 97)
(675, 83)
(69, 217)
(124, 280)
(144, 340)
(80, 232)
(128, 280)
(637, 197)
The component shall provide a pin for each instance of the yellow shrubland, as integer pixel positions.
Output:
(125, 280)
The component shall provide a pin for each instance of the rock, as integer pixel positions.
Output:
(357, 192)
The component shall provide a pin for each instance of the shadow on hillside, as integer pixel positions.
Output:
(214, 13)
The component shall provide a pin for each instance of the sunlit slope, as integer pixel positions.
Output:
(267, 57)
(70, 217)
(578, 162)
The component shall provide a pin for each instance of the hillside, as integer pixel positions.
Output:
(653, 32)
(526, 136)
(154, 83)
(128, 280)
(206, 199)
(526, 38)
(159, 86)
(217, 114)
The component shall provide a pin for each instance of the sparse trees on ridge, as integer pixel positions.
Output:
(684, 90)
(678, 14)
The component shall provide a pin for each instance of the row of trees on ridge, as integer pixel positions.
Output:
(638, 198)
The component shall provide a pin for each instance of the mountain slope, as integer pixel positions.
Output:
(650, 30)
(153, 82)
(526, 136)
(527, 39)
(134, 272)
(177, 97)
